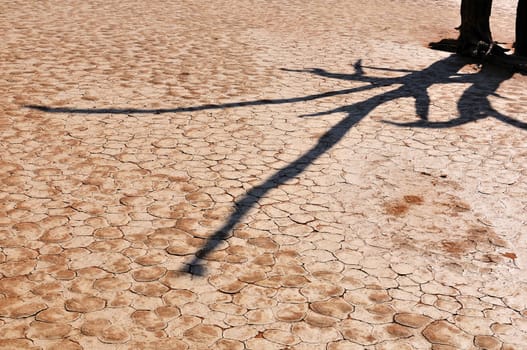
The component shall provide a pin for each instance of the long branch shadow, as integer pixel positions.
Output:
(131, 111)
(473, 105)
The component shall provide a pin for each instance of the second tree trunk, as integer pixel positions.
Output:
(520, 48)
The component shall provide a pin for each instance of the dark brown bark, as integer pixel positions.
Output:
(520, 47)
(475, 38)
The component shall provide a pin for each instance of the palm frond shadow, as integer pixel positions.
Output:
(473, 105)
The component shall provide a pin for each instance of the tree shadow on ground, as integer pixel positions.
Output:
(473, 105)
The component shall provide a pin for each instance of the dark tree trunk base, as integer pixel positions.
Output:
(515, 63)
(452, 45)
(475, 38)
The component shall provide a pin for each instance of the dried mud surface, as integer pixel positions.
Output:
(356, 189)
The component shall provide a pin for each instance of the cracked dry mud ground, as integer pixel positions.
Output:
(155, 124)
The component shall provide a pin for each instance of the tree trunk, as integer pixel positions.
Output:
(475, 38)
(520, 47)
